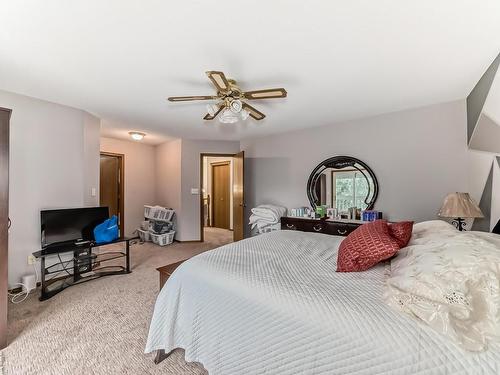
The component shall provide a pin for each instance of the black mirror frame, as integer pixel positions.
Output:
(340, 162)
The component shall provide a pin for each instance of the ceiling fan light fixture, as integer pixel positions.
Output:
(212, 109)
(137, 136)
(244, 114)
(232, 103)
(228, 117)
(236, 106)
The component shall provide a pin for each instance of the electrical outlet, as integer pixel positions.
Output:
(31, 259)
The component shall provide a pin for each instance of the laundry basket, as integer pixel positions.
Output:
(163, 239)
(158, 213)
(144, 235)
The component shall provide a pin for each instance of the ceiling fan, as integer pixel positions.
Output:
(229, 99)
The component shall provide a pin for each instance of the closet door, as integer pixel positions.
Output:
(238, 196)
(221, 194)
(4, 220)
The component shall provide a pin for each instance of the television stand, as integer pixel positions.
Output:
(79, 264)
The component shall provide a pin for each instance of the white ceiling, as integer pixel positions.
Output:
(120, 130)
(338, 59)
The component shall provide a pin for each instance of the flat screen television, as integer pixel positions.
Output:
(70, 225)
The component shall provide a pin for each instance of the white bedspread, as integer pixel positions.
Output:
(450, 280)
(273, 304)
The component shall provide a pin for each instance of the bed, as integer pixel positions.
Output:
(273, 304)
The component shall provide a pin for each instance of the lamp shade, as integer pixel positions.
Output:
(460, 205)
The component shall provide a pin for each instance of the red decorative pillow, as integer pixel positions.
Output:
(368, 245)
(401, 232)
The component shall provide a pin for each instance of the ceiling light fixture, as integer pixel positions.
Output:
(228, 116)
(230, 106)
(236, 106)
(137, 136)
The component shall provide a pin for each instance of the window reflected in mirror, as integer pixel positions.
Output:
(342, 189)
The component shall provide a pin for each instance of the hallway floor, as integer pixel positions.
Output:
(218, 235)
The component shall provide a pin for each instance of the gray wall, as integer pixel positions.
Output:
(483, 116)
(168, 176)
(91, 159)
(54, 163)
(418, 156)
(478, 96)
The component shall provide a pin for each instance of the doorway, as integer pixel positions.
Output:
(221, 198)
(111, 186)
(4, 221)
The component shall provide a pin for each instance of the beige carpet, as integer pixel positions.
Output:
(99, 327)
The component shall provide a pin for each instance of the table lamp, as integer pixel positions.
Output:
(459, 206)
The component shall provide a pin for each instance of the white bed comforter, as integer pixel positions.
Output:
(450, 280)
(274, 304)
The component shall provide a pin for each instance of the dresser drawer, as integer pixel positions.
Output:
(314, 226)
(303, 225)
(340, 229)
(317, 226)
(290, 225)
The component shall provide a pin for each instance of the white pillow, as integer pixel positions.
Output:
(433, 230)
(450, 280)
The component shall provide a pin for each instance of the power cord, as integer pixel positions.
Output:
(24, 293)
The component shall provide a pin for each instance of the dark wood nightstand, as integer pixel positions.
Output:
(166, 271)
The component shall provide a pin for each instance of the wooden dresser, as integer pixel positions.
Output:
(334, 227)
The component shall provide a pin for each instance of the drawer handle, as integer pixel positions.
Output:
(290, 226)
(317, 227)
(340, 231)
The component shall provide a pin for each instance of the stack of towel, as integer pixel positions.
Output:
(265, 216)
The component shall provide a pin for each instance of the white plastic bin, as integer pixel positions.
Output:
(158, 213)
(144, 235)
(163, 239)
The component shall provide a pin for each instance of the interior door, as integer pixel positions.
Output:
(4, 221)
(110, 185)
(221, 194)
(238, 196)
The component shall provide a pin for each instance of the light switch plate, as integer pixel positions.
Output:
(195, 191)
(93, 192)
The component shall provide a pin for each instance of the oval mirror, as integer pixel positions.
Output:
(342, 182)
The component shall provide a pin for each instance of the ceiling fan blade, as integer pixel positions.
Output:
(266, 94)
(189, 98)
(208, 116)
(254, 113)
(219, 80)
